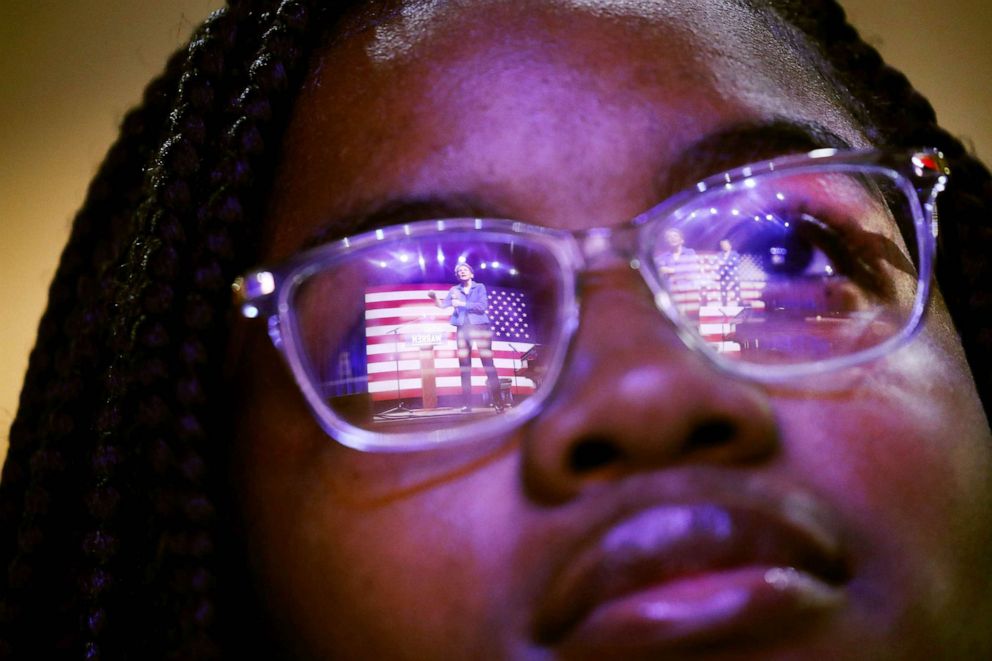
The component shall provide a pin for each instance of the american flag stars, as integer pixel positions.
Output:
(508, 314)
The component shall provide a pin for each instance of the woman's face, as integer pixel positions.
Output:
(657, 507)
(463, 273)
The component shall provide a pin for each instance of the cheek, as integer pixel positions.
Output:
(887, 453)
(910, 426)
(361, 554)
(906, 456)
(404, 572)
(932, 434)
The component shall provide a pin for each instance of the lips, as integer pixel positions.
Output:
(697, 573)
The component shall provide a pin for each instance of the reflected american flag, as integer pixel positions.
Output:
(718, 297)
(407, 335)
(509, 316)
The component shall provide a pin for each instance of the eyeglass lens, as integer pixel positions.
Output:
(793, 269)
(786, 269)
(386, 357)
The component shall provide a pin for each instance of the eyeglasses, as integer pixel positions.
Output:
(775, 271)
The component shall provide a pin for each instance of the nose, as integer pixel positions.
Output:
(634, 398)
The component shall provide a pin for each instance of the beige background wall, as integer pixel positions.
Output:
(69, 71)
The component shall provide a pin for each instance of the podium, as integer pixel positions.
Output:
(428, 373)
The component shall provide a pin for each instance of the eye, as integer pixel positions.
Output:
(797, 245)
(803, 265)
(797, 238)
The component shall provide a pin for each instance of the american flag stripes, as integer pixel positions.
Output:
(718, 293)
(408, 337)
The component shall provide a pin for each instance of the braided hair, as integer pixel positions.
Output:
(108, 534)
(112, 499)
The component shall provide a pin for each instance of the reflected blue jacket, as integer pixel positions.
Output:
(476, 304)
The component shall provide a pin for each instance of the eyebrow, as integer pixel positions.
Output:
(744, 143)
(717, 152)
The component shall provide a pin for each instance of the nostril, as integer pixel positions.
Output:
(710, 434)
(592, 453)
(596, 452)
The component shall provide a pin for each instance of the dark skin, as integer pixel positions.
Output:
(856, 513)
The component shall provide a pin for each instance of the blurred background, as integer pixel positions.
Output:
(70, 70)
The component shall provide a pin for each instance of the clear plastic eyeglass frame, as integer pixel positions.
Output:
(271, 293)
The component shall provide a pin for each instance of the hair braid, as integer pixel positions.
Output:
(140, 389)
(245, 155)
(138, 421)
(35, 492)
(75, 388)
(169, 327)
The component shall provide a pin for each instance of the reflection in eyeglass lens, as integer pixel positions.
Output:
(396, 342)
(798, 268)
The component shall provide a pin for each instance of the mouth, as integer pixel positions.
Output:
(694, 576)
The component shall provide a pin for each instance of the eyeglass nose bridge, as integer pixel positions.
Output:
(609, 247)
(610, 251)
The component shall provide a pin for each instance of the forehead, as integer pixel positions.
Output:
(539, 109)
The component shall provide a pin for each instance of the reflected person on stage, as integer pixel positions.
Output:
(468, 302)
(728, 264)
